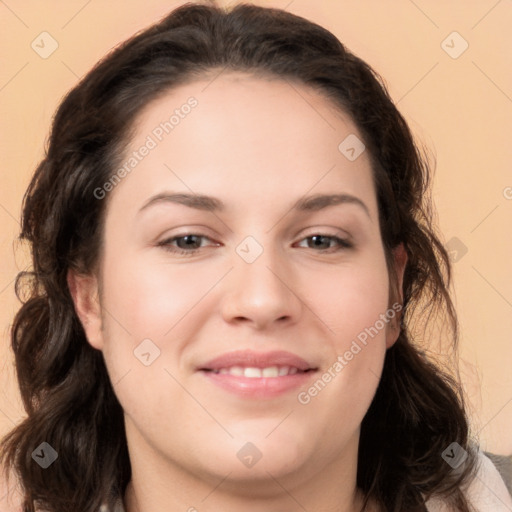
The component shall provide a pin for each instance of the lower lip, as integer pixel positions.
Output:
(259, 387)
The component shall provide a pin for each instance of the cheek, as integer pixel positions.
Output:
(146, 310)
(353, 303)
(149, 300)
(352, 298)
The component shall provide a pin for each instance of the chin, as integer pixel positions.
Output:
(261, 479)
(252, 457)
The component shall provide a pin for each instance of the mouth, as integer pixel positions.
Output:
(251, 374)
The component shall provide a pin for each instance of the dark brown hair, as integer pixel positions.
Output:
(418, 409)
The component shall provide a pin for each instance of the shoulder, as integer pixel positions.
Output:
(487, 491)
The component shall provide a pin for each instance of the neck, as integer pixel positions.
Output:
(160, 484)
(136, 499)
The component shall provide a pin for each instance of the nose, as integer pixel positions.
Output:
(262, 294)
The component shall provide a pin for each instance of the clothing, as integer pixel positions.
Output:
(487, 492)
(504, 466)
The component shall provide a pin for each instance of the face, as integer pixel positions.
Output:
(243, 306)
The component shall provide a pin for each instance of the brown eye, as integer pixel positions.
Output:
(188, 241)
(184, 244)
(326, 242)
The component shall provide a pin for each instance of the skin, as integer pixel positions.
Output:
(257, 145)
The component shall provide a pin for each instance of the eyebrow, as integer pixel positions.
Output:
(200, 202)
(320, 201)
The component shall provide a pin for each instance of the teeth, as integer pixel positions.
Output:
(271, 371)
(284, 370)
(236, 370)
(252, 372)
(258, 373)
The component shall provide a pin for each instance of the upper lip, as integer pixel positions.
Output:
(252, 359)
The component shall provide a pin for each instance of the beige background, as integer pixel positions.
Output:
(459, 107)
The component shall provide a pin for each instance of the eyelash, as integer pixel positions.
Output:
(166, 244)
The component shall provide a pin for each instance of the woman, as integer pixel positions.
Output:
(230, 243)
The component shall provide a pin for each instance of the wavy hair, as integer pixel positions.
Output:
(418, 409)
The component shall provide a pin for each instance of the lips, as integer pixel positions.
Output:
(259, 375)
(261, 360)
(252, 372)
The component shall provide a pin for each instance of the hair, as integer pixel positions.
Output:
(418, 409)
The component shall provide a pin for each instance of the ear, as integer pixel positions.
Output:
(397, 277)
(85, 293)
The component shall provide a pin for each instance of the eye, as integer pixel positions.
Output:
(190, 243)
(325, 243)
(187, 244)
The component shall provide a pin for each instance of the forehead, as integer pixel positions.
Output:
(249, 101)
(245, 135)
